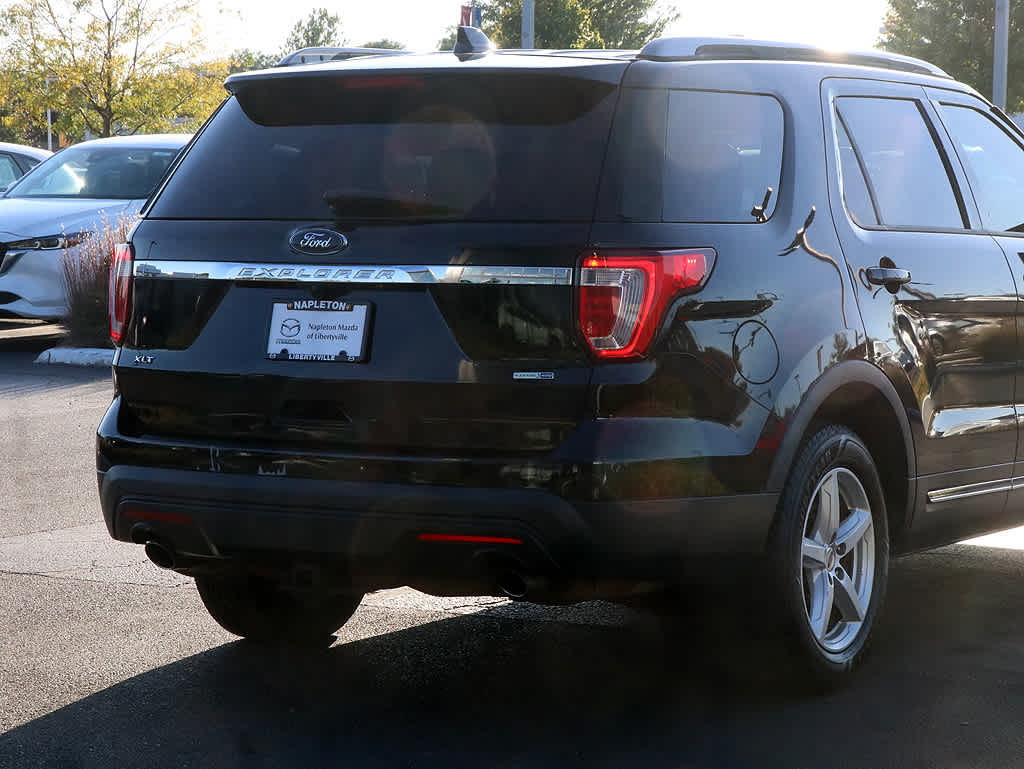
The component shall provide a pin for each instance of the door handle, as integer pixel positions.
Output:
(890, 277)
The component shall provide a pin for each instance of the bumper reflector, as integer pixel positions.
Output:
(152, 515)
(469, 538)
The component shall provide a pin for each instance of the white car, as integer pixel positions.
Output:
(16, 160)
(61, 201)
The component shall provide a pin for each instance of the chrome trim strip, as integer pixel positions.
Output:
(353, 273)
(974, 420)
(975, 489)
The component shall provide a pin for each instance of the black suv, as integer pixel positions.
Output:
(560, 324)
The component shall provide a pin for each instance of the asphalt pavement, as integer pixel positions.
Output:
(106, 661)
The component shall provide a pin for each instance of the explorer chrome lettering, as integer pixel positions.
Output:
(364, 274)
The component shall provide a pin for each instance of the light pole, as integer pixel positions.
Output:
(1000, 47)
(527, 36)
(49, 119)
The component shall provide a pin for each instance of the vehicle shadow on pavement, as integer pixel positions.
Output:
(518, 686)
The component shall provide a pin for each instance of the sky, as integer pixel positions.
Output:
(262, 25)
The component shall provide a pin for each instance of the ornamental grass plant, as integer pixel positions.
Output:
(86, 269)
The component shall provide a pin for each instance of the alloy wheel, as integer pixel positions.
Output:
(837, 559)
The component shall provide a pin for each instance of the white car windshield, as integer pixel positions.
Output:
(119, 173)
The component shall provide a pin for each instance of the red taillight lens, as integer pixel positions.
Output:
(120, 302)
(623, 297)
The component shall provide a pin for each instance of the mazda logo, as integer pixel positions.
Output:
(290, 327)
(317, 242)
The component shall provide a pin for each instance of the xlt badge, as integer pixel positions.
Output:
(317, 242)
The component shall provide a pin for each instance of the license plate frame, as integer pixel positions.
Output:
(311, 330)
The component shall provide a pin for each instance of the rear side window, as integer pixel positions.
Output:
(905, 171)
(9, 171)
(693, 156)
(27, 161)
(856, 196)
(476, 147)
(994, 163)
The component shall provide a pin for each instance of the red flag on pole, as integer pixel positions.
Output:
(466, 16)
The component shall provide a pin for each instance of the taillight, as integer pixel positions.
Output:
(120, 289)
(623, 297)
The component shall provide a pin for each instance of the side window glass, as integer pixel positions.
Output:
(722, 152)
(994, 163)
(27, 162)
(856, 197)
(8, 170)
(911, 184)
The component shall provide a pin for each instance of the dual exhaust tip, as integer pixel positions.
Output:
(156, 550)
(518, 585)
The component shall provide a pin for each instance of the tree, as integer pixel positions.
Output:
(246, 59)
(320, 28)
(17, 122)
(575, 23)
(107, 66)
(621, 23)
(384, 43)
(957, 35)
(557, 24)
(447, 43)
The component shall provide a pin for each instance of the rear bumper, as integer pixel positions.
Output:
(368, 514)
(377, 527)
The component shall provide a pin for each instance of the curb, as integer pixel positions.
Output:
(77, 356)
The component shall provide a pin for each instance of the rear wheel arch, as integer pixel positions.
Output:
(859, 396)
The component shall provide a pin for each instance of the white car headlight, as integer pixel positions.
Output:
(49, 242)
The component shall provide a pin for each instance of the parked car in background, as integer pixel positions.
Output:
(61, 201)
(17, 160)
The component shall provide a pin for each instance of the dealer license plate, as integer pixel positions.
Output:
(318, 329)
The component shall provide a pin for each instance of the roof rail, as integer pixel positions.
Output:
(722, 48)
(330, 53)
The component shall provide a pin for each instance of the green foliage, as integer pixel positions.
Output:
(384, 43)
(246, 59)
(19, 121)
(957, 35)
(447, 43)
(557, 24)
(320, 28)
(629, 23)
(575, 23)
(105, 66)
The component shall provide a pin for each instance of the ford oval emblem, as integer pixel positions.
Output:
(317, 242)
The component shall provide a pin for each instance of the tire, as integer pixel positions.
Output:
(830, 564)
(261, 610)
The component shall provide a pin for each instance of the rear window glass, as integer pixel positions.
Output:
(486, 147)
(693, 156)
